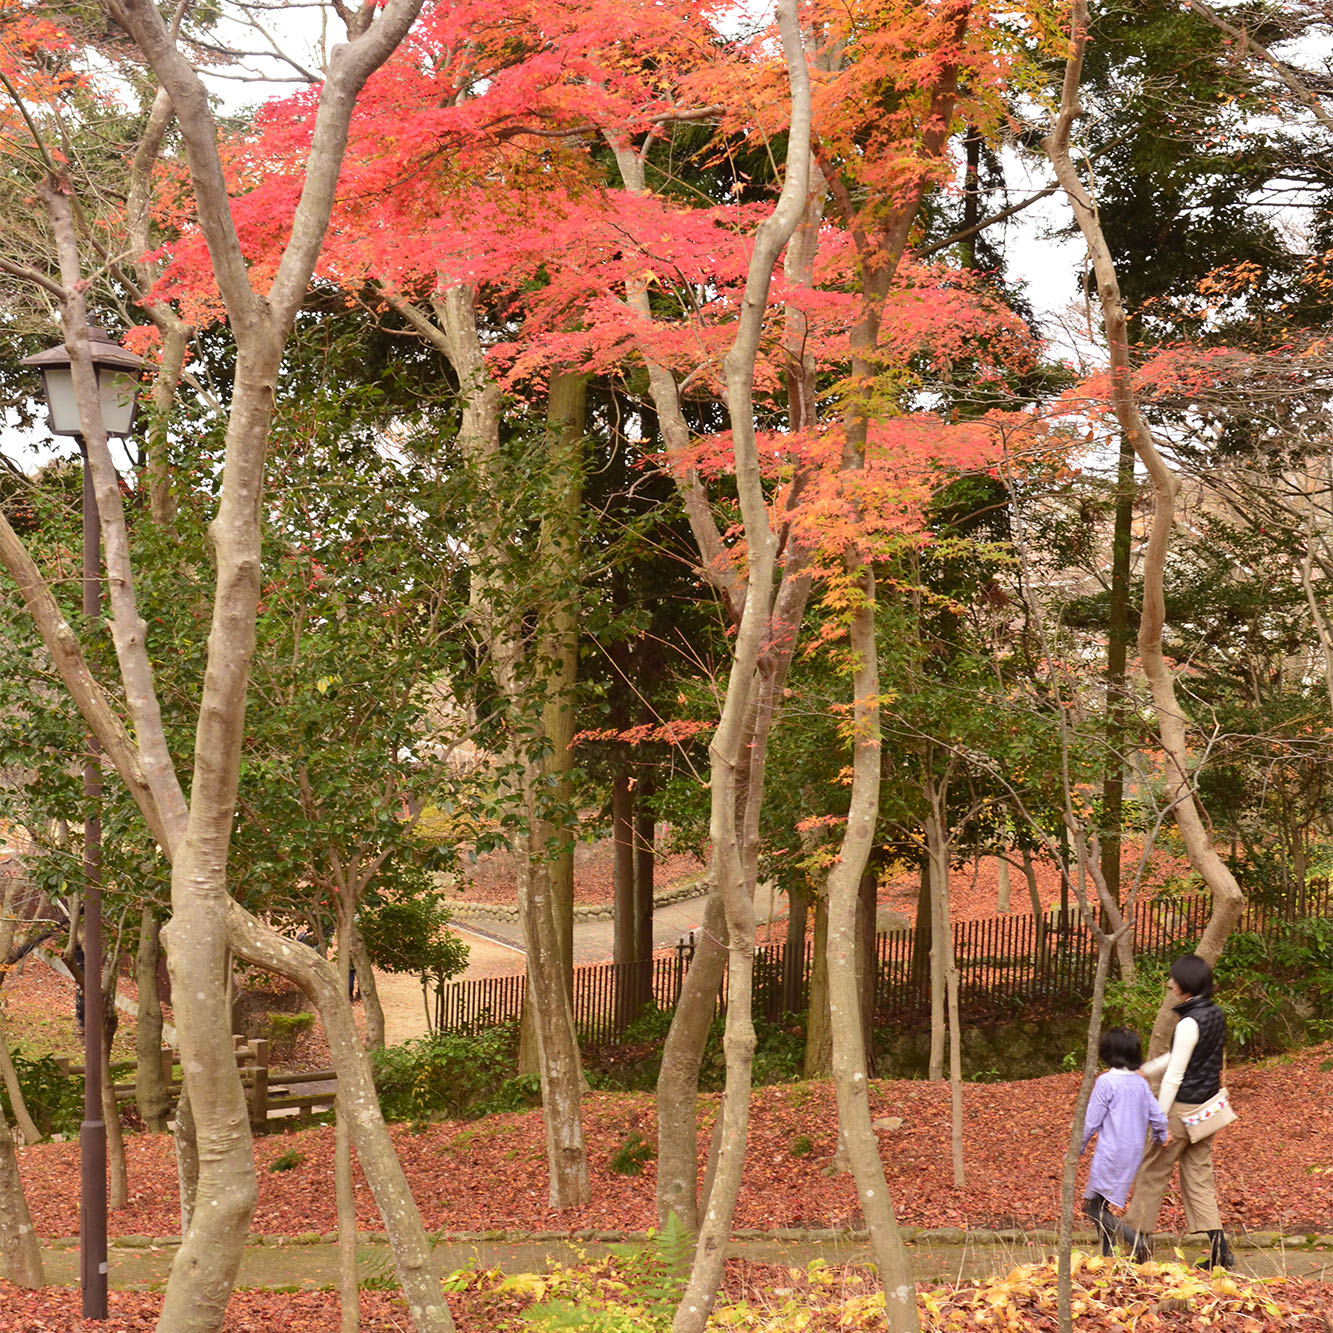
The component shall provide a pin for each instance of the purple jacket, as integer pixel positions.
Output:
(1119, 1112)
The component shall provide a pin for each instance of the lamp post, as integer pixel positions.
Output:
(117, 385)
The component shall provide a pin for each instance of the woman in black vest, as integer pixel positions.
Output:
(1191, 1075)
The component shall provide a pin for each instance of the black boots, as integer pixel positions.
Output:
(1109, 1227)
(1219, 1252)
(1141, 1243)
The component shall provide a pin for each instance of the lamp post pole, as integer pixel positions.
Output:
(92, 1133)
(117, 372)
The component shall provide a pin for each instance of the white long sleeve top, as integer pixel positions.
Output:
(1173, 1064)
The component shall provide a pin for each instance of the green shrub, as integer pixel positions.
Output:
(633, 1154)
(445, 1074)
(287, 1161)
(54, 1099)
(1276, 989)
(520, 1093)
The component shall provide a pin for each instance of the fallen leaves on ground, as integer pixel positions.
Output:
(1107, 1297)
(59, 1310)
(1271, 1167)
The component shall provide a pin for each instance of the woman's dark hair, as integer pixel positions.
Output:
(1120, 1048)
(1193, 976)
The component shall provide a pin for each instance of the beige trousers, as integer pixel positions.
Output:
(1196, 1179)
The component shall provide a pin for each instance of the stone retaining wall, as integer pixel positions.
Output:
(465, 911)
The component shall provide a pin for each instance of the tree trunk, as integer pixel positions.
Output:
(941, 934)
(26, 1126)
(415, 1265)
(818, 1032)
(20, 1253)
(923, 935)
(944, 976)
(678, 1078)
(793, 956)
(1117, 655)
(187, 1157)
(856, 1134)
(349, 1293)
(205, 1267)
(622, 878)
(117, 1173)
(559, 1058)
(645, 866)
(151, 1094)
(867, 958)
(566, 416)
(955, 1062)
(1034, 896)
(1228, 902)
(1002, 879)
(370, 994)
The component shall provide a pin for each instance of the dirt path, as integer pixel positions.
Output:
(144, 1266)
(495, 950)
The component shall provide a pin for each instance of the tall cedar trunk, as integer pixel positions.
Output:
(972, 143)
(818, 1032)
(645, 866)
(793, 956)
(1228, 902)
(151, 1094)
(20, 1252)
(622, 879)
(678, 1078)
(557, 1053)
(566, 415)
(923, 935)
(856, 1135)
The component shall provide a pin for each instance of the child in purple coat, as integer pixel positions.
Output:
(1119, 1113)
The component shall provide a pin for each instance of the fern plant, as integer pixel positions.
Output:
(638, 1288)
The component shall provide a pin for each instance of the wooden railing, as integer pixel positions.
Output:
(1007, 965)
(266, 1090)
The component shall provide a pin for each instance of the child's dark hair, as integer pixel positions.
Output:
(1120, 1048)
(1193, 975)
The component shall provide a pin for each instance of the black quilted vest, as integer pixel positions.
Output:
(1203, 1074)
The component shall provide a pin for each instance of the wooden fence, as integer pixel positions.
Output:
(1006, 965)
